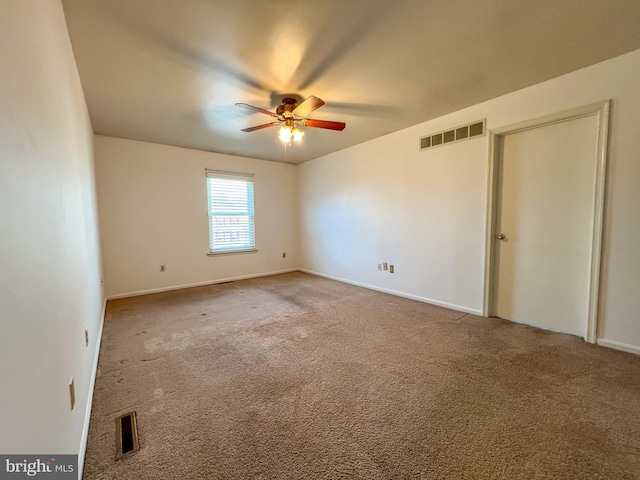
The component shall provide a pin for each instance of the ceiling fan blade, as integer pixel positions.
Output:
(258, 109)
(309, 105)
(324, 124)
(260, 127)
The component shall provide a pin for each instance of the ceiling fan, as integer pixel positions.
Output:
(292, 116)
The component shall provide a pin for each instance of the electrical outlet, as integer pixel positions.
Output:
(72, 393)
(384, 266)
(379, 267)
(163, 268)
(86, 337)
(390, 268)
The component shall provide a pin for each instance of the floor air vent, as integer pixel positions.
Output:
(457, 134)
(126, 435)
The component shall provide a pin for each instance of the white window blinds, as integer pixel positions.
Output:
(231, 212)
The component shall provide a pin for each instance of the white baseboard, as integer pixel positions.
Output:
(431, 301)
(625, 347)
(197, 284)
(92, 384)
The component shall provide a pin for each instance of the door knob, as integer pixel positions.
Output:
(500, 236)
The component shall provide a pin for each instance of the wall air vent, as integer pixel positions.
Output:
(463, 132)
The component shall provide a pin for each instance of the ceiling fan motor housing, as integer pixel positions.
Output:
(288, 105)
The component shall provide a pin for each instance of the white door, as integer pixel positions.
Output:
(545, 211)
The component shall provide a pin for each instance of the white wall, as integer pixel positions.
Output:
(49, 252)
(425, 211)
(153, 211)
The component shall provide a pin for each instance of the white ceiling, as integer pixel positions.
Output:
(170, 71)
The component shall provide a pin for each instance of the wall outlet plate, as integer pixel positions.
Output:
(72, 393)
(390, 268)
(384, 266)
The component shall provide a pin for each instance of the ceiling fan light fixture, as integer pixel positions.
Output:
(290, 132)
(285, 133)
(297, 134)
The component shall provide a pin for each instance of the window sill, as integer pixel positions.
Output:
(232, 252)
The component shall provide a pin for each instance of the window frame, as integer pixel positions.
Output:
(250, 211)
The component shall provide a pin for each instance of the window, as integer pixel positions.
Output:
(231, 214)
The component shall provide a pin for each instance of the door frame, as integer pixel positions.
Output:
(496, 136)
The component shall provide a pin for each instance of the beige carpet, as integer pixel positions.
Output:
(299, 377)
